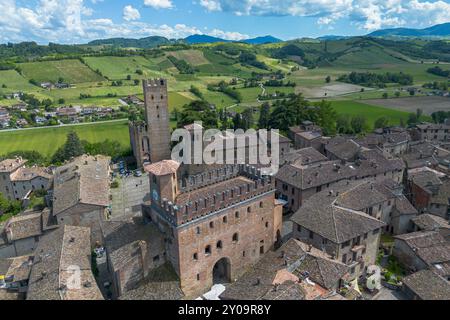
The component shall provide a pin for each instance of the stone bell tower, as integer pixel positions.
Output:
(157, 119)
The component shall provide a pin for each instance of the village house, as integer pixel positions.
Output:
(394, 142)
(429, 222)
(20, 234)
(341, 148)
(17, 181)
(81, 193)
(134, 249)
(426, 285)
(296, 271)
(429, 191)
(384, 201)
(21, 122)
(306, 135)
(432, 132)
(4, 118)
(349, 236)
(58, 256)
(215, 223)
(297, 182)
(68, 112)
(304, 157)
(423, 250)
(47, 85)
(14, 277)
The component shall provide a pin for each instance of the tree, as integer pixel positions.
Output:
(72, 148)
(264, 116)
(326, 117)
(343, 124)
(385, 95)
(397, 94)
(328, 79)
(382, 122)
(136, 82)
(419, 113)
(359, 124)
(128, 77)
(412, 119)
(247, 119)
(198, 110)
(61, 101)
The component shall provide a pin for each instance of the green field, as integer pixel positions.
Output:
(46, 141)
(71, 71)
(371, 113)
(14, 82)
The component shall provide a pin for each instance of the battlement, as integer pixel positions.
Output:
(155, 83)
(236, 184)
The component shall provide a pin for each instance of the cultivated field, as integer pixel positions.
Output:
(14, 82)
(193, 57)
(71, 71)
(47, 141)
(411, 104)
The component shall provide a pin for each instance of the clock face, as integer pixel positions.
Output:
(155, 195)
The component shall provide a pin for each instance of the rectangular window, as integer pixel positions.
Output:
(311, 235)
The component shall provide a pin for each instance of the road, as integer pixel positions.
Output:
(64, 125)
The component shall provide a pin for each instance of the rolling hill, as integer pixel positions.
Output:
(143, 43)
(440, 30)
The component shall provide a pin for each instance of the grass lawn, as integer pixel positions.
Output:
(72, 71)
(46, 141)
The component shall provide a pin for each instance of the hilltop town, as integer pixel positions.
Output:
(346, 216)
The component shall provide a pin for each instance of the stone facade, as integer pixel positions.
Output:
(150, 140)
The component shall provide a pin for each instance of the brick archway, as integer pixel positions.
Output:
(221, 272)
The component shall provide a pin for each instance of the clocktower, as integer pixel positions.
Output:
(163, 181)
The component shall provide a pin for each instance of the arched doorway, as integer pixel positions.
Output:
(222, 271)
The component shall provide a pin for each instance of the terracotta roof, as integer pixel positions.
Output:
(10, 165)
(27, 174)
(305, 156)
(278, 275)
(25, 226)
(322, 215)
(162, 168)
(52, 269)
(429, 222)
(84, 180)
(428, 285)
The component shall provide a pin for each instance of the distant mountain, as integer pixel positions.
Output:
(262, 40)
(440, 30)
(203, 38)
(332, 37)
(144, 43)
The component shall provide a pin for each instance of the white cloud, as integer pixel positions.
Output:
(227, 35)
(365, 14)
(159, 4)
(130, 13)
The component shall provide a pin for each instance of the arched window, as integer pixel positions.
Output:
(211, 224)
(219, 244)
(235, 237)
(236, 214)
(208, 250)
(195, 256)
(261, 204)
(249, 209)
(225, 219)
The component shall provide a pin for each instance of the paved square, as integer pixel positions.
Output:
(129, 196)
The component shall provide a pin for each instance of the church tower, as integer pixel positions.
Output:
(157, 119)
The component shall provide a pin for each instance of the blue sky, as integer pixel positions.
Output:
(79, 21)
